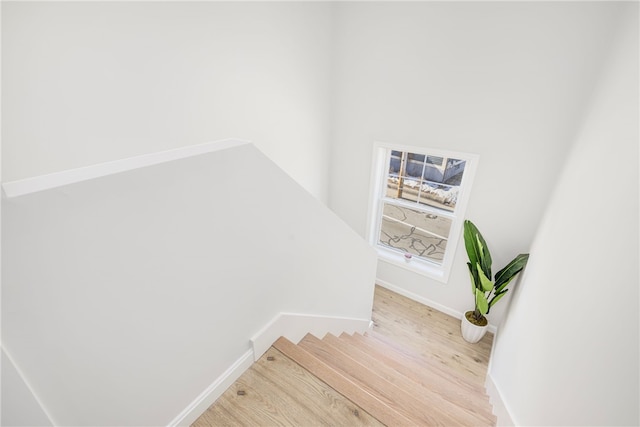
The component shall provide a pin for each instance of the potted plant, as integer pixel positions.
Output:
(487, 291)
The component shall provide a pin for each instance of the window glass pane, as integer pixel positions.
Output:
(421, 234)
(434, 160)
(394, 162)
(423, 179)
(417, 157)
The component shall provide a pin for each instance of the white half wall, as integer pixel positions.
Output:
(126, 297)
(568, 351)
(505, 80)
(91, 82)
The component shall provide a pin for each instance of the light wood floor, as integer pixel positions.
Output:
(413, 368)
(431, 333)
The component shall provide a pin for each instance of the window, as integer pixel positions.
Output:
(418, 202)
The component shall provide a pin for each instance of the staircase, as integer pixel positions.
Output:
(392, 383)
(412, 369)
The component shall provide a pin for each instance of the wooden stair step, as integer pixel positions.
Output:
(343, 385)
(218, 415)
(233, 408)
(270, 404)
(306, 390)
(399, 398)
(278, 391)
(431, 393)
(415, 361)
(446, 371)
(438, 387)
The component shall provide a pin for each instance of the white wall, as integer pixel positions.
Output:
(125, 297)
(19, 405)
(568, 352)
(88, 82)
(507, 81)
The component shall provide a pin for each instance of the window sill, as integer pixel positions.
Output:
(414, 264)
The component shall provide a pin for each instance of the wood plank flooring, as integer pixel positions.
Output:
(432, 334)
(413, 368)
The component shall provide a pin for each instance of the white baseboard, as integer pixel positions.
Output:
(499, 408)
(213, 392)
(295, 326)
(422, 300)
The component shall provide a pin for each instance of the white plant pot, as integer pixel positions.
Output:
(470, 332)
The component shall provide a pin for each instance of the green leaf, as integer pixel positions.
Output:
(470, 242)
(504, 285)
(481, 302)
(473, 279)
(496, 298)
(480, 247)
(504, 276)
(486, 284)
(473, 238)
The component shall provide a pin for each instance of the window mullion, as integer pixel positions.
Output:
(424, 166)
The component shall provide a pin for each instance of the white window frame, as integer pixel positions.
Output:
(379, 173)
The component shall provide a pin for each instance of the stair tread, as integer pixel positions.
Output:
(379, 409)
(218, 415)
(395, 396)
(307, 390)
(435, 386)
(378, 342)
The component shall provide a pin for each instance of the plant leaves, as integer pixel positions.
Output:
(486, 284)
(504, 276)
(481, 302)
